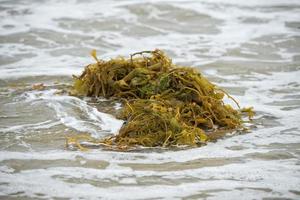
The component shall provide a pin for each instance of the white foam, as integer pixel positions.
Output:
(65, 106)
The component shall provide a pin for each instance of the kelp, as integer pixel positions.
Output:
(163, 104)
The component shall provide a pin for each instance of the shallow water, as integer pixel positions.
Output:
(250, 48)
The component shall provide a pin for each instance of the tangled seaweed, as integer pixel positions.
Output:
(164, 104)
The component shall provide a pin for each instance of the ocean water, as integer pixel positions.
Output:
(249, 48)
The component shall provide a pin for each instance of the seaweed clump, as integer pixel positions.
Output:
(163, 104)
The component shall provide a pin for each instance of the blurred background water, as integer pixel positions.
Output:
(250, 48)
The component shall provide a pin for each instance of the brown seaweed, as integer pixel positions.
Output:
(163, 104)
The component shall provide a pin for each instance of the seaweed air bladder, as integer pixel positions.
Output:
(164, 104)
